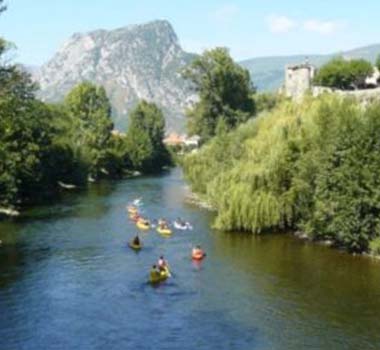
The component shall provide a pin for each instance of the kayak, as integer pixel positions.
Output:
(198, 255)
(143, 225)
(180, 226)
(164, 231)
(135, 246)
(160, 277)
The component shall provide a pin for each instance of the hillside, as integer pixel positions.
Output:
(268, 72)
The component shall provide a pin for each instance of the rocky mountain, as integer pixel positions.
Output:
(132, 63)
(268, 72)
(144, 62)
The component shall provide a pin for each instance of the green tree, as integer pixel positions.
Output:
(145, 138)
(25, 136)
(344, 74)
(90, 111)
(359, 69)
(224, 90)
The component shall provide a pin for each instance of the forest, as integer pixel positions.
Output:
(44, 147)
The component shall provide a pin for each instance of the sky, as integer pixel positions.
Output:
(249, 28)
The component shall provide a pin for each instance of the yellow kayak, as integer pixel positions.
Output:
(143, 225)
(164, 231)
(135, 246)
(159, 276)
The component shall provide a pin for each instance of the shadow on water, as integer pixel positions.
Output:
(84, 202)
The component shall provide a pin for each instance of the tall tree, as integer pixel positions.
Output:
(145, 138)
(225, 93)
(90, 112)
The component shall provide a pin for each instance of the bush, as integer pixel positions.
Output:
(312, 166)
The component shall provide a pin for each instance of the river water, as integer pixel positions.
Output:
(68, 281)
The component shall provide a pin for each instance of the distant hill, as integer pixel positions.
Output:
(268, 72)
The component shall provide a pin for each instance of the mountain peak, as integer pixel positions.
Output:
(134, 62)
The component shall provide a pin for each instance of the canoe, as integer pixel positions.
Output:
(161, 277)
(135, 246)
(164, 231)
(198, 255)
(183, 227)
(142, 225)
(179, 226)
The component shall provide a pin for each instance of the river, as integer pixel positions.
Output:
(68, 281)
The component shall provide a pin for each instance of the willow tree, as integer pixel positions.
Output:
(225, 93)
(311, 166)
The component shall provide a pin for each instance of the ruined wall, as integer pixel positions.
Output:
(298, 80)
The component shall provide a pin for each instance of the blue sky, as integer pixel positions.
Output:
(249, 28)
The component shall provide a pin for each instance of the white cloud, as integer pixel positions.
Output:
(280, 23)
(225, 13)
(323, 27)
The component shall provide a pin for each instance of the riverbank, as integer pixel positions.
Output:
(199, 201)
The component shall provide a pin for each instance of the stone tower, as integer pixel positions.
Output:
(298, 79)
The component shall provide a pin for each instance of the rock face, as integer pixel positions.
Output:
(132, 63)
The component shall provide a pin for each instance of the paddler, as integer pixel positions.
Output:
(136, 241)
(162, 264)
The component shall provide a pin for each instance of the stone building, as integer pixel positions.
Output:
(298, 79)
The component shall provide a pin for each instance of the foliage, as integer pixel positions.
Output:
(313, 166)
(377, 63)
(344, 74)
(43, 145)
(145, 136)
(90, 112)
(266, 101)
(224, 90)
(374, 246)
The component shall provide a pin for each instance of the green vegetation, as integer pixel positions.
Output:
(224, 90)
(344, 74)
(266, 101)
(89, 112)
(377, 63)
(145, 138)
(43, 147)
(313, 167)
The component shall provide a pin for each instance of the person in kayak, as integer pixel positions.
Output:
(136, 240)
(162, 263)
(197, 251)
(162, 223)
